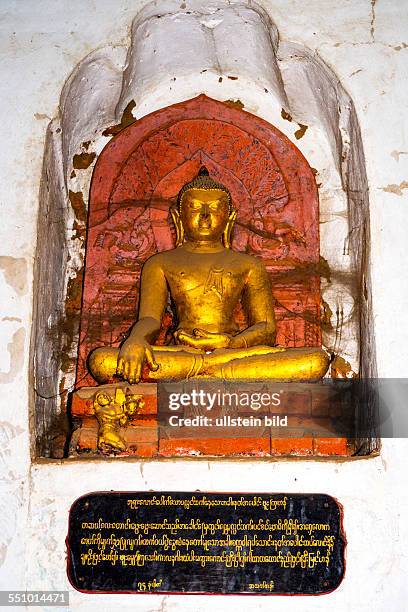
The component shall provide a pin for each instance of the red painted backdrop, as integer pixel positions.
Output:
(135, 181)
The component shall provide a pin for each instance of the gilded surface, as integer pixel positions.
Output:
(205, 280)
(113, 413)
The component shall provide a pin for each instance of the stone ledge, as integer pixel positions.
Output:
(145, 437)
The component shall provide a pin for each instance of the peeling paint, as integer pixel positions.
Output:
(78, 205)
(15, 273)
(286, 115)
(42, 116)
(301, 131)
(401, 46)
(127, 119)
(397, 189)
(82, 161)
(234, 104)
(396, 154)
(315, 174)
(16, 351)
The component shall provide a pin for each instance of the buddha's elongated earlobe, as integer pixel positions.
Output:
(226, 236)
(178, 224)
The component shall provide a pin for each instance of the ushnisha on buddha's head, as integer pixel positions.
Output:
(204, 211)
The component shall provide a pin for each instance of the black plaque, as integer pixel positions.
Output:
(252, 543)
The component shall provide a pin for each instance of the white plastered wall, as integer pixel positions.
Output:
(363, 43)
(230, 51)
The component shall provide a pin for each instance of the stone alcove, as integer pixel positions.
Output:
(238, 58)
(135, 182)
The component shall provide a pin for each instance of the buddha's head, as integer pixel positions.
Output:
(204, 211)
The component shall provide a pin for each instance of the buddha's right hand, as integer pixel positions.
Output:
(132, 357)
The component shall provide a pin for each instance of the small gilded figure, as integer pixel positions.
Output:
(113, 413)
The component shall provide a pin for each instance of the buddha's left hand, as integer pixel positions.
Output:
(203, 339)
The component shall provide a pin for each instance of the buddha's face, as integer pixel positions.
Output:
(204, 214)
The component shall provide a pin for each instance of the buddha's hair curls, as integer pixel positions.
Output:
(203, 180)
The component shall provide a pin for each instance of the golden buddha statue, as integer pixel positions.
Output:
(205, 280)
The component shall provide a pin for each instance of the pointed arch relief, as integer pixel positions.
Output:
(135, 183)
(270, 119)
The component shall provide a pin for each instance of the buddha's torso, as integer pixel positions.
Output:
(206, 287)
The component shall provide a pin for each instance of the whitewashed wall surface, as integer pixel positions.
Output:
(68, 71)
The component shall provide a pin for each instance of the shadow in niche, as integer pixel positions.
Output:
(58, 301)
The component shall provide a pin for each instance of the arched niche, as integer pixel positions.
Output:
(239, 58)
(136, 180)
